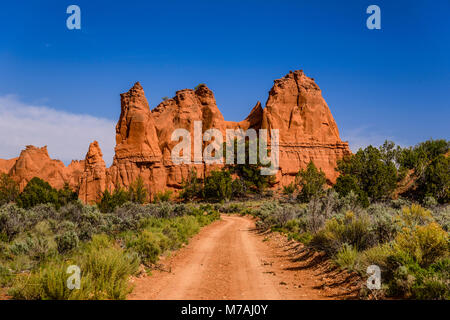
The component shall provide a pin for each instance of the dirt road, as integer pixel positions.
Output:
(230, 260)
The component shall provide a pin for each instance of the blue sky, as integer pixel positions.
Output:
(392, 83)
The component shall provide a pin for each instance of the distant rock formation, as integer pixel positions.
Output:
(143, 140)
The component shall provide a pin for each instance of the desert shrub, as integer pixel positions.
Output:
(187, 226)
(415, 215)
(238, 188)
(48, 283)
(250, 179)
(66, 195)
(37, 252)
(12, 221)
(286, 214)
(383, 222)
(231, 207)
(218, 186)
(104, 275)
(289, 189)
(430, 166)
(108, 268)
(38, 191)
(311, 182)
(433, 282)
(266, 214)
(162, 196)
(129, 215)
(6, 276)
(164, 210)
(377, 255)
(425, 244)
(148, 245)
(35, 246)
(435, 182)
(346, 184)
(67, 241)
(192, 187)
(442, 216)
(429, 202)
(346, 257)
(400, 203)
(109, 202)
(318, 210)
(412, 281)
(349, 230)
(9, 190)
(44, 211)
(137, 192)
(88, 219)
(370, 172)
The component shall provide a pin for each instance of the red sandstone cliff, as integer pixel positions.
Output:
(295, 106)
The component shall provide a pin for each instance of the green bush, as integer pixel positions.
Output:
(370, 172)
(148, 245)
(108, 268)
(104, 275)
(38, 191)
(137, 192)
(67, 241)
(311, 182)
(109, 202)
(162, 196)
(192, 188)
(350, 230)
(347, 257)
(218, 186)
(12, 221)
(9, 190)
(425, 244)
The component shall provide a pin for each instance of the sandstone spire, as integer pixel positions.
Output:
(307, 129)
(136, 138)
(94, 179)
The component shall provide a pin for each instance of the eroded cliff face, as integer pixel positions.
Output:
(35, 162)
(6, 165)
(295, 106)
(307, 129)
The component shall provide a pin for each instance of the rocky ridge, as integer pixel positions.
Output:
(295, 106)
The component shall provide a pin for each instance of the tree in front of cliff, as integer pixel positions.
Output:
(311, 182)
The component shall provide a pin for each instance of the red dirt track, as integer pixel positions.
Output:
(230, 260)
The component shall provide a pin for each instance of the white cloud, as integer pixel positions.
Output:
(67, 135)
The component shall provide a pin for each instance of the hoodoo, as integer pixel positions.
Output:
(307, 131)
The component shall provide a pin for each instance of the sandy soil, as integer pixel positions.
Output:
(229, 259)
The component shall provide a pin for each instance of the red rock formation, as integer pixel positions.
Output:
(143, 139)
(93, 180)
(6, 165)
(307, 129)
(35, 162)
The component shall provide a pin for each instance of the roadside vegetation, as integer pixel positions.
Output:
(389, 207)
(48, 230)
(363, 220)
